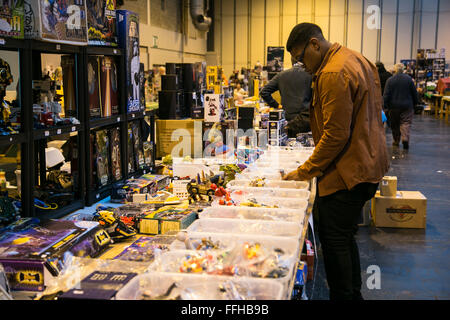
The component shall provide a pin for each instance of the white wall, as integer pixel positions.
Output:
(171, 46)
(406, 25)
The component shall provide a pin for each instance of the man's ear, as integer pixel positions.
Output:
(315, 43)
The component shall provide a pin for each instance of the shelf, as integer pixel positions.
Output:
(94, 196)
(104, 51)
(12, 139)
(55, 131)
(61, 212)
(51, 47)
(11, 44)
(102, 122)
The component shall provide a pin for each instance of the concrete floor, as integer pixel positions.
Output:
(414, 263)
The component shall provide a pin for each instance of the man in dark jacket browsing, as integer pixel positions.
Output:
(400, 97)
(295, 90)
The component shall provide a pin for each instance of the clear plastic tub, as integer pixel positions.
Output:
(200, 287)
(270, 175)
(257, 227)
(171, 262)
(265, 202)
(271, 184)
(289, 215)
(271, 192)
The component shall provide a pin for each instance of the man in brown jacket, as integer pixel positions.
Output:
(350, 157)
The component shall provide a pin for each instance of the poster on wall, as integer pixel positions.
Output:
(275, 59)
(61, 21)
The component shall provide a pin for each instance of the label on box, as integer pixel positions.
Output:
(149, 226)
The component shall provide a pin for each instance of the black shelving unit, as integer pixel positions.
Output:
(33, 141)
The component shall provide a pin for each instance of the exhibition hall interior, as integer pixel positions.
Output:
(224, 150)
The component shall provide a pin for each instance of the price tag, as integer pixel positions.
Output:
(58, 131)
(145, 172)
(133, 115)
(10, 139)
(118, 119)
(115, 51)
(2, 41)
(58, 47)
(97, 195)
(46, 133)
(73, 129)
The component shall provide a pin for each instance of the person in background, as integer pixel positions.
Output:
(295, 90)
(239, 93)
(400, 97)
(350, 157)
(383, 74)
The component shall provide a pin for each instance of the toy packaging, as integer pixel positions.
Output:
(145, 249)
(128, 31)
(101, 18)
(94, 86)
(32, 251)
(147, 147)
(69, 78)
(131, 158)
(109, 90)
(131, 213)
(162, 181)
(123, 192)
(99, 285)
(102, 156)
(116, 168)
(11, 19)
(167, 219)
(137, 146)
(61, 21)
(214, 107)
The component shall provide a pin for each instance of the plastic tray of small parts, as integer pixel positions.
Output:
(270, 214)
(274, 175)
(261, 201)
(265, 183)
(271, 192)
(272, 265)
(171, 286)
(256, 227)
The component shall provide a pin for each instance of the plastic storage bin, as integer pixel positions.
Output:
(201, 287)
(266, 202)
(257, 227)
(271, 184)
(271, 192)
(289, 215)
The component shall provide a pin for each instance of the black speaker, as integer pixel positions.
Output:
(171, 68)
(246, 116)
(169, 82)
(189, 80)
(190, 102)
(169, 104)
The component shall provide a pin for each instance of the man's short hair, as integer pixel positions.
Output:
(399, 67)
(302, 33)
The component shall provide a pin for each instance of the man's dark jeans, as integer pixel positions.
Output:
(338, 216)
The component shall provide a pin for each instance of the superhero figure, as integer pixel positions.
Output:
(6, 79)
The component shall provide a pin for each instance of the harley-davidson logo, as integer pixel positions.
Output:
(401, 214)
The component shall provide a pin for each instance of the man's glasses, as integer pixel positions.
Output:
(302, 56)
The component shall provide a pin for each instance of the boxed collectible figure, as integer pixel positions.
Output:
(123, 192)
(69, 78)
(32, 251)
(101, 18)
(61, 21)
(145, 249)
(116, 168)
(102, 153)
(94, 86)
(108, 87)
(162, 181)
(130, 144)
(167, 219)
(128, 31)
(137, 146)
(99, 285)
(11, 19)
(214, 107)
(148, 153)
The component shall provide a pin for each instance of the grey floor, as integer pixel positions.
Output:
(414, 263)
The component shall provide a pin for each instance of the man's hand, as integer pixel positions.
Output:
(293, 175)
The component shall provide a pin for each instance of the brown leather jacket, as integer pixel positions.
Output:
(346, 123)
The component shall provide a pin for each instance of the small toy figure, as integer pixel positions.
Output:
(6, 79)
(116, 228)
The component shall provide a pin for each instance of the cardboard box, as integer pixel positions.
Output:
(388, 186)
(167, 219)
(33, 251)
(101, 18)
(109, 89)
(123, 192)
(162, 181)
(67, 23)
(308, 257)
(128, 31)
(11, 19)
(187, 140)
(407, 210)
(94, 86)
